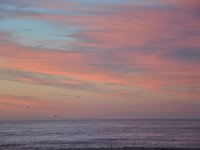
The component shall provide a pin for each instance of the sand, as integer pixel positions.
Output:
(14, 147)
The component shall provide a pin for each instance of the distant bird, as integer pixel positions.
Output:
(55, 116)
(78, 96)
(27, 106)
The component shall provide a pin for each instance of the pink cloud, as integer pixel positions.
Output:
(131, 48)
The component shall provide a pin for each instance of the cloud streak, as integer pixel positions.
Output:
(115, 50)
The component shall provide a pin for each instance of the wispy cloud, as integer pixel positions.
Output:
(130, 49)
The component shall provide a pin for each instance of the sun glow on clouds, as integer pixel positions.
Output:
(130, 59)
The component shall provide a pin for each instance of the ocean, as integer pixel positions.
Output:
(57, 134)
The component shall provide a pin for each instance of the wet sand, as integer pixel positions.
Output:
(135, 148)
(15, 147)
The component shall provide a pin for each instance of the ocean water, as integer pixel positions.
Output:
(99, 133)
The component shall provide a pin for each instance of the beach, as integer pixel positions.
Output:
(14, 147)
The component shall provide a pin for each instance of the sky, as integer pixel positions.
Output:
(99, 59)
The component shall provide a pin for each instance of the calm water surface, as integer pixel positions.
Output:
(99, 133)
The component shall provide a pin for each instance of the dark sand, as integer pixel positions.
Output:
(135, 148)
(14, 147)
